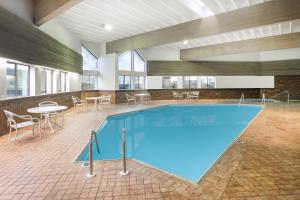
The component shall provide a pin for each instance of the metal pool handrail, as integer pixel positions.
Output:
(124, 172)
(263, 100)
(281, 93)
(93, 136)
(242, 99)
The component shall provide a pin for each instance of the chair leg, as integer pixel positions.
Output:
(9, 133)
(16, 136)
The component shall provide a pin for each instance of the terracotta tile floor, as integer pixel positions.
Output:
(266, 166)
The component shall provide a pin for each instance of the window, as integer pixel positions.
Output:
(139, 63)
(17, 78)
(208, 81)
(90, 62)
(169, 82)
(61, 87)
(190, 82)
(89, 82)
(124, 82)
(125, 61)
(46, 81)
(131, 64)
(139, 82)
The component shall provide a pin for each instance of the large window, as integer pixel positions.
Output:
(89, 82)
(125, 61)
(208, 81)
(131, 64)
(61, 87)
(139, 63)
(190, 82)
(169, 82)
(124, 82)
(90, 70)
(46, 81)
(17, 78)
(139, 82)
(90, 62)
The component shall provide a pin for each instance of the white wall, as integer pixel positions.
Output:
(57, 31)
(108, 75)
(21, 8)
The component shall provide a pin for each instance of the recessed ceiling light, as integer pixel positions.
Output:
(185, 41)
(107, 27)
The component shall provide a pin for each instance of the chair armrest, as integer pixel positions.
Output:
(25, 117)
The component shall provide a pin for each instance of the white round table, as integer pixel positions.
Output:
(142, 97)
(95, 99)
(46, 111)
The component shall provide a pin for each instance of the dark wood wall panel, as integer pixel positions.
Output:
(22, 41)
(223, 68)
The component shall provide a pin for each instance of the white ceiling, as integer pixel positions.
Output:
(246, 34)
(131, 17)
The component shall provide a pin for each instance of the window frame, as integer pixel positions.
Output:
(133, 61)
(16, 77)
(89, 82)
(189, 81)
(170, 82)
(207, 85)
(124, 78)
(97, 60)
(45, 83)
(138, 82)
(60, 82)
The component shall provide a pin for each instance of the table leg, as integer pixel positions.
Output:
(47, 121)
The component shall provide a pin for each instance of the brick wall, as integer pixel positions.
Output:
(166, 94)
(95, 93)
(20, 105)
(120, 96)
(282, 83)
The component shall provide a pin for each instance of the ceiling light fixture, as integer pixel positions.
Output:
(185, 41)
(107, 27)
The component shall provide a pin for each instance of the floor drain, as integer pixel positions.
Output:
(239, 141)
(85, 164)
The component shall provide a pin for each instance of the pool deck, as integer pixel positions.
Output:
(266, 166)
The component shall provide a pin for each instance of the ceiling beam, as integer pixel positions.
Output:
(45, 10)
(257, 15)
(223, 68)
(246, 46)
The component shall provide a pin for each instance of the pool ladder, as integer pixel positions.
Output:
(91, 171)
(242, 99)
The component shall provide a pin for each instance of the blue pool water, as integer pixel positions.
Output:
(184, 140)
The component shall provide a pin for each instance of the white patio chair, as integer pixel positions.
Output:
(79, 102)
(49, 103)
(130, 99)
(177, 95)
(105, 99)
(194, 95)
(26, 120)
